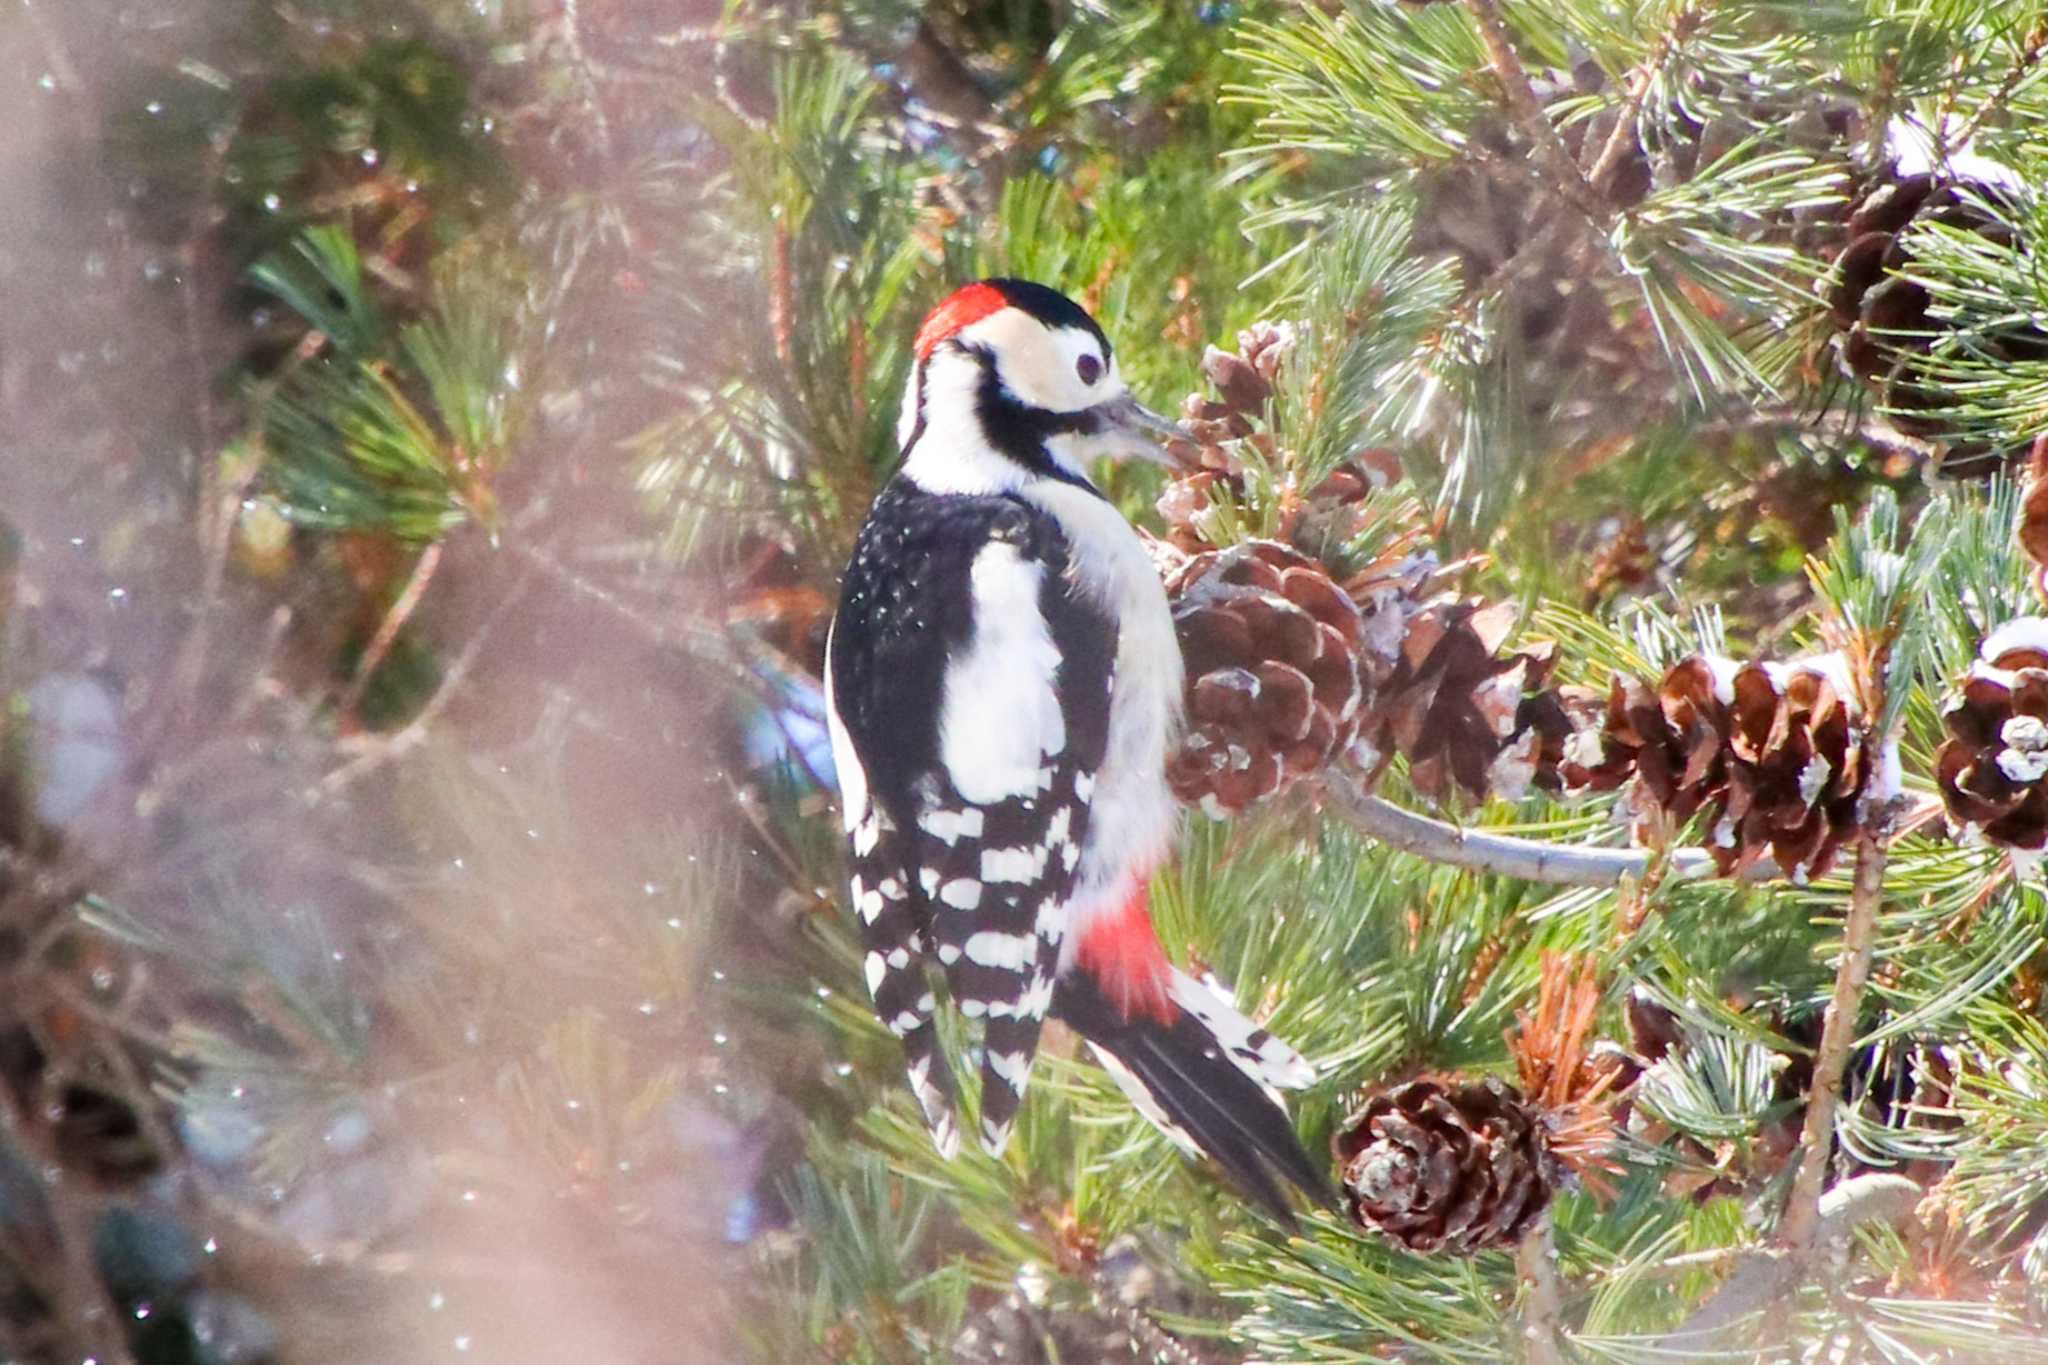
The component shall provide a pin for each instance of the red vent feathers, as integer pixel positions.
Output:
(963, 308)
(1123, 953)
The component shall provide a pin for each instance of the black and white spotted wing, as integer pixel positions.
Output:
(970, 697)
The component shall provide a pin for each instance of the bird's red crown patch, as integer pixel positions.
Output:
(962, 308)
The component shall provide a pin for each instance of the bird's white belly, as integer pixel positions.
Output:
(1132, 813)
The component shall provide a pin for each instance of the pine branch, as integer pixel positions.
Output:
(1618, 143)
(1548, 147)
(1506, 855)
(2024, 62)
(1765, 1277)
(394, 621)
(1803, 1212)
(1536, 1259)
(374, 751)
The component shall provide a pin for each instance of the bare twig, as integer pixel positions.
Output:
(2024, 61)
(1547, 146)
(387, 631)
(382, 749)
(1543, 1308)
(1764, 1277)
(1623, 137)
(1506, 855)
(1803, 1209)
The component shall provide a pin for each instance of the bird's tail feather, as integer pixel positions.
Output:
(1207, 1080)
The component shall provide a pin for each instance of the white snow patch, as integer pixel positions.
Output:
(1813, 779)
(1912, 144)
(2023, 765)
(2022, 632)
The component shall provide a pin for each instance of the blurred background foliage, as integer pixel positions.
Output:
(429, 434)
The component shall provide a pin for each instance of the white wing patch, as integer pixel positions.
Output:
(1254, 1051)
(1000, 715)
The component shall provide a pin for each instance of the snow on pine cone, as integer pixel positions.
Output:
(1991, 768)
(1278, 672)
(1803, 776)
(1777, 752)
(1452, 1167)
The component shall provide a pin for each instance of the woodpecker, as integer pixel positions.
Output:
(1002, 684)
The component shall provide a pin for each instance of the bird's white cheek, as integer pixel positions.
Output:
(1042, 367)
(1044, 382)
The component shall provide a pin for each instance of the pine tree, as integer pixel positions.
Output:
(421, 910)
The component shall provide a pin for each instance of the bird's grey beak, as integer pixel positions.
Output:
(1137, 431)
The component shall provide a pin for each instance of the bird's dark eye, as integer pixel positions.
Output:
(1089, 368)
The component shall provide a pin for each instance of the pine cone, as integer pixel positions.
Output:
(1796, 788)
(2033, 528)
(1457, 1167)
(1623, 563)
(1883, 315)
(1992, 766)
(1455, 707)
(1671, 742)
(1276, 673)
(1777, 750)
(1223, 431)
(1653, 1030)
(1459, 713)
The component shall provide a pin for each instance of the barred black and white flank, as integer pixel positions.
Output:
(1003, 681)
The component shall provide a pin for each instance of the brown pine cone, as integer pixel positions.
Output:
(1653, 1030)
(1455, 707)
(1777, 752)
(2033, 527)
(1225, 431)
(1672, 742)
(1454, 1167)
(1797, 784)
(1276, 676)
(1244, 380)
(1992, 766)
(1882, 314)
(1545, 722)
(1244, 389)
(1265, 346)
